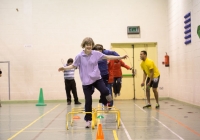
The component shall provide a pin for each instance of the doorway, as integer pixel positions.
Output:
(131, 88)
(5, 80)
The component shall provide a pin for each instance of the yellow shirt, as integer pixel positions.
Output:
(147, 65)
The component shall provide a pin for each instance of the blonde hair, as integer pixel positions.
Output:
(87, 41)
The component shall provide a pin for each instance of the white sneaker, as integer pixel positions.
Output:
(88, 124)
(109, 98)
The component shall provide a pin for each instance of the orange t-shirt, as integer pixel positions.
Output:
(110, 71)
(117, 72)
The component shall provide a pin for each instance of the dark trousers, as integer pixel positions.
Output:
(105, 80)
(70, 85)
(110, 85)
(89, 90)
(117, 84)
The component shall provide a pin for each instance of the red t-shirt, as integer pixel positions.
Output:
(117, 72)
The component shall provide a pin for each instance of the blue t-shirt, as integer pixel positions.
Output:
(102, 64)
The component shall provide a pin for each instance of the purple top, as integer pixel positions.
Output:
(88, 66)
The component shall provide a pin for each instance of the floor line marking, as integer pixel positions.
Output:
(161, 123)
(32, 123)
(115, 135)
(169, 129)
(114, 131)
(140, 108)
(180, 123)
(127, 134)
(48, 125)
(98, 120)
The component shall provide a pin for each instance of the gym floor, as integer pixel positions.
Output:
(173, 121)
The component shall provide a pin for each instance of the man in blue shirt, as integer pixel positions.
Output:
(103, 67)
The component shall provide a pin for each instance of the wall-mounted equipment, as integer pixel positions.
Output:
(133, 30)
(166, 62)
(198, 31)
(187, 28)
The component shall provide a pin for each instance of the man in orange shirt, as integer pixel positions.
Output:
(117, 74)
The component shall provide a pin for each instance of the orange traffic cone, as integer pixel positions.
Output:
(100, 135)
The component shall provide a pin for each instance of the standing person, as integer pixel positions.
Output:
(152, 74)
(70, 84)
(117, 73)
(103, 67)
(87, 62)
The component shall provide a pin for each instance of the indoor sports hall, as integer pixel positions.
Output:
(59, 62)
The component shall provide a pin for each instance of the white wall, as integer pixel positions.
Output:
(184, 70)
(55, 30)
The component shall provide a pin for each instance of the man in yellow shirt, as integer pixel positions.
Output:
(151, 76)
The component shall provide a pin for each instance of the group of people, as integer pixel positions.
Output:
(100, 69)
(110, 71)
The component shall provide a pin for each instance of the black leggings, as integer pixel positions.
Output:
(89, 90)
(70, 85)
(117, 85)
(105, 80)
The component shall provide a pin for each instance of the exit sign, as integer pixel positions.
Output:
(133, 30)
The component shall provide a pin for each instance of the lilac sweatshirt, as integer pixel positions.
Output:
(88, 66)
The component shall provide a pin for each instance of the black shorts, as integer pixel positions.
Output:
(154, 82)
